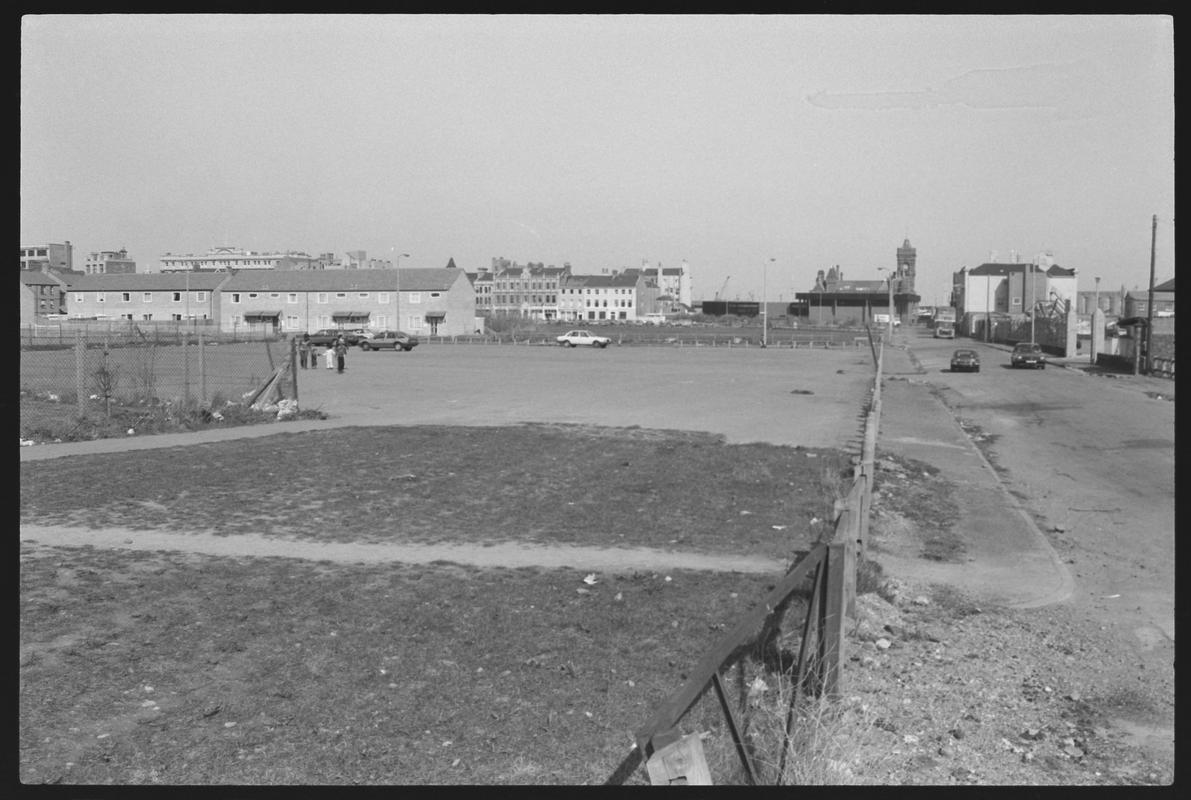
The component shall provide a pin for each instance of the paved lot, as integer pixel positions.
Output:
(813, 398)
(746, 394)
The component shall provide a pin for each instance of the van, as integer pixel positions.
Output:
(944, 331)
(654, 319)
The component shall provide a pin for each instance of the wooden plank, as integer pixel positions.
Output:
(680, 763)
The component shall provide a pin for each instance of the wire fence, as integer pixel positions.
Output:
(128, 366)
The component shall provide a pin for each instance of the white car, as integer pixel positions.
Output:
(578, 337)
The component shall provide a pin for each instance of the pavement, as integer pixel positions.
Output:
(1008, 560)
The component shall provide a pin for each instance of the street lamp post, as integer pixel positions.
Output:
(987, 307)
(889, 321)
(397, 282)
(764, 310)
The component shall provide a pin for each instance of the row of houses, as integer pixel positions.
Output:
(434, 302)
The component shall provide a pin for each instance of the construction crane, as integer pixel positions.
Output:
(722, 288)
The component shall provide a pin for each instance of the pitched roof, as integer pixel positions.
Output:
(413, 279)
(145, 281)
(997, 268)
(1168, 286)
(34, 277)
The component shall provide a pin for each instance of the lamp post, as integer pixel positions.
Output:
(764, 310)
(397, 282)
(1030, 269)
(889, 320)
(987, 307)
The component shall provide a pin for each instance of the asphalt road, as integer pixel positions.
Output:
(1092, 459)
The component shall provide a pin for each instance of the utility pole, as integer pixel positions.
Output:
(1031, 271)
(1150, 299)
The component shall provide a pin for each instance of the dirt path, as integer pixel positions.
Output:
(501, 554)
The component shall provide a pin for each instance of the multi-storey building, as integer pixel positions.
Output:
(54, 255)
(41, 296)
(612, 297)
(224, 259)
(531, 291)
(1012, 288)
(674, 286)
(108, 262)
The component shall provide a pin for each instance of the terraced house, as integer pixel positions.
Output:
(427, 302)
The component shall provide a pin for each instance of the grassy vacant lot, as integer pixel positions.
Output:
(170, 668)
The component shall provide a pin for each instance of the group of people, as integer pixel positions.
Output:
(335, 355)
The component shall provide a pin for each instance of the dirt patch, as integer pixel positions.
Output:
(543, 484)
(156, 667)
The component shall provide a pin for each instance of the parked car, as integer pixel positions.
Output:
(389, 340)
(1026, 354)
(582, 337)
(965, 361)
(944, 331)
(324, 337)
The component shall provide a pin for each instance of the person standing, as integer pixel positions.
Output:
(340, 353)
(304, 350)
(329, 356)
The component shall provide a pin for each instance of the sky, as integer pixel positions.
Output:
(759, 149)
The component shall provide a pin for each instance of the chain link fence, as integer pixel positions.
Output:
(131, 365)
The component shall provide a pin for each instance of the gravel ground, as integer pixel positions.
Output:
(949, 692)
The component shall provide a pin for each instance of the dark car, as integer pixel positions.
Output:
(965, 361)
(389, 340)
(1026, 354)
(325, 337)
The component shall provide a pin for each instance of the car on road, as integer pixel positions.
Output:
(325, 337)
(389, 340)
(965, 361)
(944, 331)
(1026, 354)
(581, 337)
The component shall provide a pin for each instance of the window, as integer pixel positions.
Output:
(147, 297)
(291, 322)
(435, 294)
(382, 321)
(415, 297)
(235, 297)
(363, 295)
(126, 297)
(322, 297)
(252, 295)
(146, 317)
(1017, 301)
(382, 298)
(292, 297)
(200, 297)
(275, 295)
(340, 295)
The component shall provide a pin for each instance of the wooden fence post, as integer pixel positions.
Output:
(831, 626)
